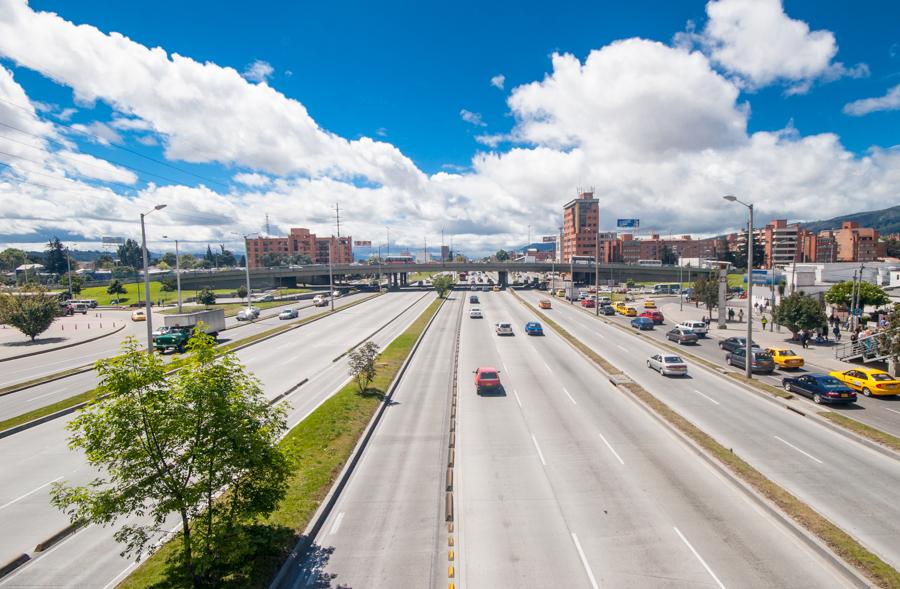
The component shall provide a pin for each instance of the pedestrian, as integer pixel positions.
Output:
(741, 315)
(703, 319)
(731, 314)
(804, 339)
(837, 333)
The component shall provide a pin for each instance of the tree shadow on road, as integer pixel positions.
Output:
(38, 342)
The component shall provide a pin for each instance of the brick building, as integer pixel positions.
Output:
(581, 222)
(300, 241)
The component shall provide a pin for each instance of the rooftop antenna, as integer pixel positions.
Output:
(337, 215)
(268, 232)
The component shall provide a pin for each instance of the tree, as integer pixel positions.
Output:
(210, 257)
(723, 252)
(799, 311)
(55, 258)
(362, 365)
(163, 445)
(206, 297)
(442, 284)
(124, 272)
(242, 291)
(226, 257)
(105, 261)
(759, 253)
(243, 262)
(273, 259)
(187, 261)
(168, 284)
(502, 255)
(116, 288)
(869, 294)
(11, 258)
(893, 248)
(168, 258)
(668, 256)
(707, 292)
(163, 266)
(29, 311)
(301, 259)
(77, 282)
(889, 340)
(130, 254)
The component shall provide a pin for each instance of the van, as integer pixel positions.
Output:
(698, 327)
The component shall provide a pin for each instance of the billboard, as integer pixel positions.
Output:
(112, 240)
(362, 244)
(628, 223)
(549, 238)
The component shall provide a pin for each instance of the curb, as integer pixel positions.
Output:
(55, 538)
(318, 520)
(13, 564)
(63, 347)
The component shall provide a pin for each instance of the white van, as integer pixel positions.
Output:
(697, 327)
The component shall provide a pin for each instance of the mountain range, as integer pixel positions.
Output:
(885, 221)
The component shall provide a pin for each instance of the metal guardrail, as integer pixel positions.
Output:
(871, 348)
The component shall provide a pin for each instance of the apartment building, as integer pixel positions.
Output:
(300, 241)
(581, 222)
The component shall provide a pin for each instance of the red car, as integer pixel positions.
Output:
(655, 316)
(486, 378)
(587, 302)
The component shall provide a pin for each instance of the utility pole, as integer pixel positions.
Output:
(331, 272)
(597, 275)
(69, 272)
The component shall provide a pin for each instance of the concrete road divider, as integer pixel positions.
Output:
(55, 538)
(13, 564)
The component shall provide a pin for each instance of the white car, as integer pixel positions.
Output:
(475, 313)
(503, 328)
(248, 314)
(697, 327)
(289, 314)
(667, 364)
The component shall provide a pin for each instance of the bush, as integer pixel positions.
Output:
(31, 312)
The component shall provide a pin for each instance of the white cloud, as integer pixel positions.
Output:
(472, 118)
(98, 132)
(66, 114)
(864, 106)
(258, 71)
(254, 180)
(88, 166)
(494, 140)
(498, 81)
(760, 43)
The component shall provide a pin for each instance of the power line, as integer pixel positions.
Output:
(127, 187)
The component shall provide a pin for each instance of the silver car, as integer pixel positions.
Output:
(289, 314)
(503, 328)
(667, 364)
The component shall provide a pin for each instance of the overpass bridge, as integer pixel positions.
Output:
(398, 274)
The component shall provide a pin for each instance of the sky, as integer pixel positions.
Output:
(422, 118)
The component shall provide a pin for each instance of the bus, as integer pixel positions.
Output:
(399, 259)
(667, 288)
(582, 260)
(656, 263)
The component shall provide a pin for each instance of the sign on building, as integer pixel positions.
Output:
(549, 238)
(628, 223)
(362, 244)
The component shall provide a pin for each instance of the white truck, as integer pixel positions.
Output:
(177, 329)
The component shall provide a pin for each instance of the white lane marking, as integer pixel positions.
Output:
(548, 366)
(810, 456)
(600, 335)
(608, 445)
(894, 410)
(502, 363)
(566, 391)
(706, 396)
(623, 348)
(337, 523)
(538, 448)
(703, 562)
(584, 562)
(31, 492)
(518, 400)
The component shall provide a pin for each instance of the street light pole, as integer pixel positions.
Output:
(177, 273)
(597, 275)
(331, 272)
(69, 272)
(748, 361)
(147, 302)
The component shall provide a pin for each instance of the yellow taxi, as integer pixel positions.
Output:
(560, 292)
(869, 381)
(619, 306)
(649, 304)
(627, 311)
(138, 315)
(544, 303)
(785, 358)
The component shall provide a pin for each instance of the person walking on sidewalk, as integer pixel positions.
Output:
(837, 332)
(731, 314)
(804, 339)
(741, 315)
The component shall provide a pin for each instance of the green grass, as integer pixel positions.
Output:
(736, 280)
(48, 409)
(40, 380)
(290, 291)
(99, 293)
(318, 447)
(416, 276)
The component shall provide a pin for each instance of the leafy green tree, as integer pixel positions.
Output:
(168, 284)
(799, 311)
(242, 292)
(164, 445)
(243, 262)
(226, 257)
(301, 259)
(206, 296)
(707, 292)
(187, 261)
(668, 256)
(869, 294)
(55, 257)
(362, 365)
(168, 258)
(29, 311)
(442, 284)
(723, 252)
(502, 255)
(273, 260)
(77, 282)
(124, 272)
(889, 339)
(105, 261)
(130, 254)
(759, 254)
(162, 265)
(893, 248)
(116, 288)
(11, 258)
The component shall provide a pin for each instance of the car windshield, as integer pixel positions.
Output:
(674, 360)
(687, 331)
(881, 377)
(830, 382)
(489, 375)
(763, 356)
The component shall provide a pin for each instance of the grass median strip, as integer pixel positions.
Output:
(318, 448)
(40, 380)
(841, 543)
(867, 431)
(172, 365)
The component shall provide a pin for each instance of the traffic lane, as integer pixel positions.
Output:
(841, 479)
(386, 529)
(510, 530)
(650, 500)
(38, 455)
(32, 398)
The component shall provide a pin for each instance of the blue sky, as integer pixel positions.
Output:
(402, 73)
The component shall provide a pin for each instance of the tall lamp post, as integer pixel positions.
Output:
(748, 362)
(597, 275)
(147, 302)
(246, 261)
(69, 273)
(177, 273)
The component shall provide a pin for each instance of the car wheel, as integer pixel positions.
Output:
(787, 387)
(866, 392)
(818, 399)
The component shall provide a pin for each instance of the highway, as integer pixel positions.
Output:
(20, 402)
(564, 481)
(845, 481)
(387, 527)
(36, 457)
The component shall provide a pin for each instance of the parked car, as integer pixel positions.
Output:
(649, 304)
(138, 315)
(475, 313)
(667, 364)
(487, 378)
(560, 292)
(607, 310)
(785, 358)
(869, 381)
(629, 312)
(544, 304)
(821, 388)
(655, 316)
(289, 314)
(604, 301)
(729, 344)
(698, 327)
(587, 303)
(681, 335)
(534, 328)
(266, 298)
(503, 328)
(473, 299)
(760, 361)
(642, 323)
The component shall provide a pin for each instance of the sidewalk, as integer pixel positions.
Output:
(821, 355)
(65, 331)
